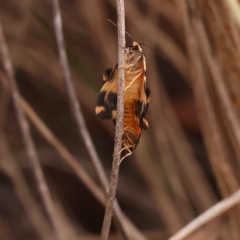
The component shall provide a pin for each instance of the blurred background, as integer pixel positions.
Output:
(188, 159)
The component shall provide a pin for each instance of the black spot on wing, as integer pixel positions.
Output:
(108, 71)
(139, 109)
(109, 74)
(143, 123)
(101, 109)
(111, 101)
(104, 114)
(100, 99)
(147, 91)
(106, 103)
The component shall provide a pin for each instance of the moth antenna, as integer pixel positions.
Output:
(153, 50)
(125, 31)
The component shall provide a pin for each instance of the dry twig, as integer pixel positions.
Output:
(119, 123)
(235, 9)
(212, 213)
(10, 166)
(73, 101)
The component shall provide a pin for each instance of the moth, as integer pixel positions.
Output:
(136, 97)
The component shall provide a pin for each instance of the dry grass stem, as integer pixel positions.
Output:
(212, 213)
(119, 123)
(235, 9)
(9, 165)
(224, 97)
(73, 101)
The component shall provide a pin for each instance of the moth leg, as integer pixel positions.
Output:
(126, 148)
(129, 146)
(128, 154)
(134, 79)
(122, 150)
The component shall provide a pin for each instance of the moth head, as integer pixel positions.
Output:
(133, 54)
(135, 47)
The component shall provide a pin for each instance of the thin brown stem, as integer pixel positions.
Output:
(235, 9)
(29, 144)
(221, 87)
(73, 101)
(10, 166)
(212, 213)
(119, 123)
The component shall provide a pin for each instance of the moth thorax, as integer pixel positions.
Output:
(135, 56)
(132, 61)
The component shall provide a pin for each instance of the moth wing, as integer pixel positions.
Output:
(143, 120)
(107, 99)
(142, 104)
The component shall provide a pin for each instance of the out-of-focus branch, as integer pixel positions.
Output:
(10, 166)
(212, 213)
(234, 6)
(73, 101)
(228, 109)
(119, 123)
(25, 130)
